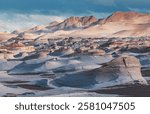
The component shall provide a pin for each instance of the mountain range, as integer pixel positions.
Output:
(118, 24)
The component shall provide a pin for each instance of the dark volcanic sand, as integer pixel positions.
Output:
(128, 91)
(33, 87)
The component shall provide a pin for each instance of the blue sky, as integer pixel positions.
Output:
(72, 6)
(54, 6)
(36, 12)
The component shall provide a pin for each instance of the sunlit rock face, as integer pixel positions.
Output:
(120, 71)
(124, 69)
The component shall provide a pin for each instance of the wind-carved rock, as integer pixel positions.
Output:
(123, 70)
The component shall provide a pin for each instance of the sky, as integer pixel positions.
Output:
(22, 14)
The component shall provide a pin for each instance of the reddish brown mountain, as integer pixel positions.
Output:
(77, 22)
(118, 16)
(119, 24)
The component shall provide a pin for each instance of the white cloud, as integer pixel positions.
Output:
(10, 21)
(14, 21)
(139, 10)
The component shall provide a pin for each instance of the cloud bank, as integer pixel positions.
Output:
(10, 21)
(13, 21)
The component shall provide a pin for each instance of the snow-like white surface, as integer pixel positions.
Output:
(73, 76)
(8, 65)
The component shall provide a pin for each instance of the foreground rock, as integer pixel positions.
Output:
(120, 71)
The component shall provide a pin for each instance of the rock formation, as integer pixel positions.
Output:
(120, 71)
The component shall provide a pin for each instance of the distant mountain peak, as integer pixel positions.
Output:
(87, 20)
(53, 23)
(77, 22)
(116, 16)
